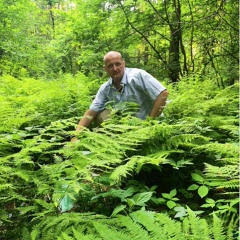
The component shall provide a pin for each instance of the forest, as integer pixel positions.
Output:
(172, 177)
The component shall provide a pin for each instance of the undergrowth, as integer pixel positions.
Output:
(170, 178)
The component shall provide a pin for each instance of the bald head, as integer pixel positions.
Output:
(112, 54)
(114, 65)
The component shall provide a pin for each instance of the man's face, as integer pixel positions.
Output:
(114, 66)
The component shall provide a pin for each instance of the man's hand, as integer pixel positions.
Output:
(74, 140)
(85, 122)
(159, 104)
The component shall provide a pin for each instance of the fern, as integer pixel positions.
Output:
(106, 231)
(184, 139)
(80, 235)
(226, 150)
(223, 177)
(139, 225)
(53, 226)
(28, 101)
(217, 230)
(122, 171)
(196, 228)
(233, 228)
(37, 162)
(159, 226)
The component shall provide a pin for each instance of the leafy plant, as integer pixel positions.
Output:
(203, 189)
(125, 165)
(139, 224)
(169, 199)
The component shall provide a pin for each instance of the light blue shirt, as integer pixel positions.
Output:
(139, 87)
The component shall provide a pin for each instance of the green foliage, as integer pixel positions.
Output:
(29, 102)
(138, 225)
(50, 38)
(168, 198)
(189, 158)
(185, 160)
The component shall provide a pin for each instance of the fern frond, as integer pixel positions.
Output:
(84, 233)
(226, 150)
(233, 227)
(217, 230)
(135, 229)
(139, 225)
(196, 228)
(106, 231)
(65, 237)
(159, 226)
(122, 171)
(223, 177)
(58, 224)
(6, 186)
(183, 139)
(135, 164)
(229, 160)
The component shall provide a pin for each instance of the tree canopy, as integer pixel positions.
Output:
(170, 39)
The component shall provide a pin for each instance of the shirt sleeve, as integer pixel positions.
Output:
(149, 85)
(98, 104)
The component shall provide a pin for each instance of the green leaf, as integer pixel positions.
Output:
(207, 205)
(154, 187)
(180, 214)
(203, 191)
(197, 177)
(234, 201)
(180, 209)
(209, 200)
(129, 192)
(142, 198)
(160, 200)
(117, 210)
(171, 204)
(173, 193)
(130, 202)
(166, 195)
(44, 203)
(193, 187)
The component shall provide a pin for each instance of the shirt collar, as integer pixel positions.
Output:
(123, 81)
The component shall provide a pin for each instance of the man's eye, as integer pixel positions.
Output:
(115, 64)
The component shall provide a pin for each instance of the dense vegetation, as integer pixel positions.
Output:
(169, 178)
(45, 38)
(188, 160)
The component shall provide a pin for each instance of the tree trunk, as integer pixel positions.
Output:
(175, 41)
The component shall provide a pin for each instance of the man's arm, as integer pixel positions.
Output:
(159, 104)
(85, 121)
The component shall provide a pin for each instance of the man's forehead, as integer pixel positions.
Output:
(113, 60)
(112, 55)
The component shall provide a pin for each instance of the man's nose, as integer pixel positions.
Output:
(114, 67)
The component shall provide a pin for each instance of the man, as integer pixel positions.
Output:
(126, 85)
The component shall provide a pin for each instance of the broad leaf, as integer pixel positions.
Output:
(173, 193)
(197, 177)
(171, 204)
(142, 198)
(193, 187)
(117, 210)
(203, 191)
